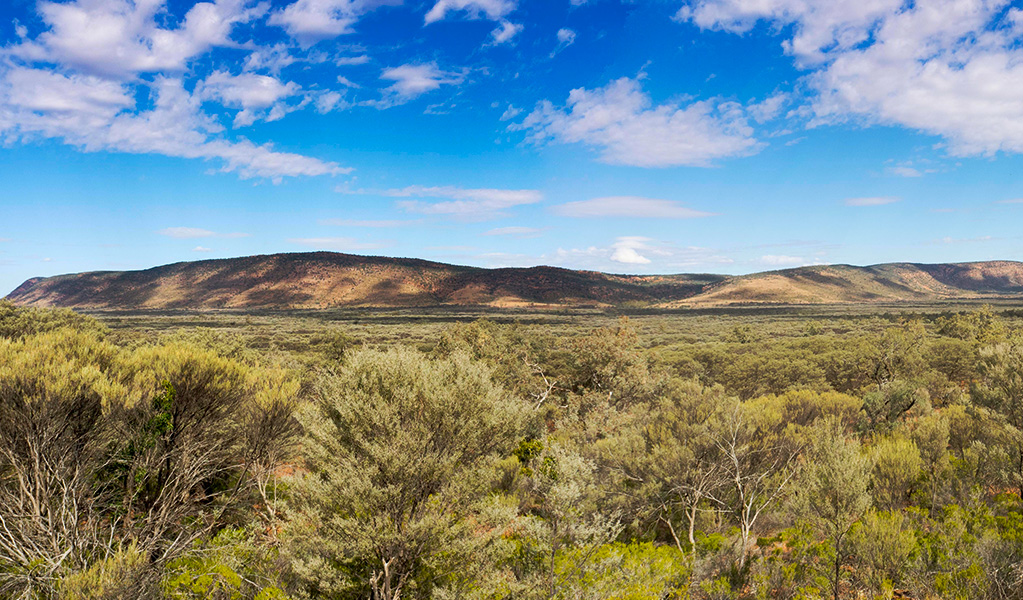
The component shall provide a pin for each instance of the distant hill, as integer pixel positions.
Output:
(327, 279)
(845, 284)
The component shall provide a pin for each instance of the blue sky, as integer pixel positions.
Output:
(649, 136)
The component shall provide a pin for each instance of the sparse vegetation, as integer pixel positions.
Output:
(837, 452)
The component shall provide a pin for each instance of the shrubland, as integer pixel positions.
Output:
(873, 456)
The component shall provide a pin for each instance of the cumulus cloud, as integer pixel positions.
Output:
(630, 207)
(494, 10)
(119, 38)
(626, 250)
(623, 124)
(109, 75)
(414, 80)
(871, 201)
(491, 9)
(310, 21)
(100, 115)
(951, 68)
(258, 96)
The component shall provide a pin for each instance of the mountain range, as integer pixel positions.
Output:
(327, 279)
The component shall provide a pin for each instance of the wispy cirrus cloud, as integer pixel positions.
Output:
(629, 207)
(340, 244)
(186, 233)
(871, 201)
(382, 223)
(518, 232)
(782, 260)
(467, 204)
(413, 80)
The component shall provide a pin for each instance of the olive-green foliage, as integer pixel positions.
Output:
(17, 322)
(897, 466)
(106, 450)
(399, 452)
(633, 571)
(527, 455)
(233, 565)
(563, 526)
(882, 546)
(105, 579)
(832, 493)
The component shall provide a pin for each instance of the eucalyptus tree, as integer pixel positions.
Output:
(399, 454)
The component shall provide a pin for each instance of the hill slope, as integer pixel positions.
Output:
(326, 279)
(892, 282)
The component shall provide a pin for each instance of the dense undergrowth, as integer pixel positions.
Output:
(793, 458)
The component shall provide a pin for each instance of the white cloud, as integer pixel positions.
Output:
(621, 122)
(769, 108)
(871, 201)
(413, 80)
(328, 101)
(118, 38)
(1011, 201)
(566, 37)
(625, 250)
(510, 113)
(344, 61)
(781, 260)
(202, 249)
(974, 240)
(310, 21)
(628, 206)
(951, 68)
(271, 58)
(340, 244)
(505, 31)
(491, 9)
(519, 232)
(468, 204)
(364, 223)
(819, 24)
(494, 10)
(98, 115)
(258, 96)
(184, 233)
(903, 171)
